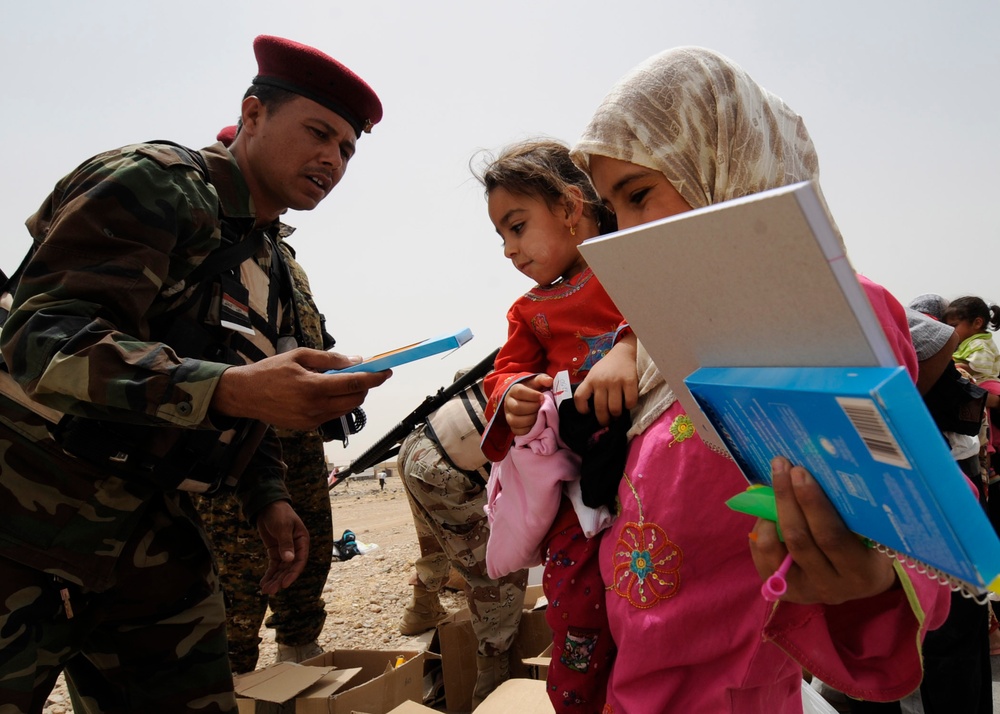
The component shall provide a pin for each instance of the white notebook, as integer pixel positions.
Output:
(760, 281)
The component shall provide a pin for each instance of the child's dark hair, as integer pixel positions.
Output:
(543, 168)
(969, 308)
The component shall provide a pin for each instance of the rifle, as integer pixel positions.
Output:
(389, 444)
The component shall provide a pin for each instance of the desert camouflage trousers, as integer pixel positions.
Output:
(297, 612)
(155, 641)
(452, 530)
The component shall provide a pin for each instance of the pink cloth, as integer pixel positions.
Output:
(892, 315)
(524, 491)
(993, 387)
(684, 604)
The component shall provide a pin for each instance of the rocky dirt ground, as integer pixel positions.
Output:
(365, 596)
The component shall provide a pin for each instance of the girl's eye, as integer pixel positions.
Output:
(517, 228)
(638, 196)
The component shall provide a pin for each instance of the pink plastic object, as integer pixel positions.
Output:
(775, 586)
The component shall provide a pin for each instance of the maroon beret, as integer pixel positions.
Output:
(227, 135)
(306, 71)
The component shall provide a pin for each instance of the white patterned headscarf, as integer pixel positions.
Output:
(699, 119)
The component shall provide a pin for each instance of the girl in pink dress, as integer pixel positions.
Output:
(686, 129)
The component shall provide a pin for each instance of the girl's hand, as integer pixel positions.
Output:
(613, 383)
(523, 401)
(831, 564)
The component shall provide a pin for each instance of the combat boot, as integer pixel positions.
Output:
(423, 613)
(492, 671)
(298, 653)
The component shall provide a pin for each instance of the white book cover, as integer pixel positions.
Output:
(760, 281)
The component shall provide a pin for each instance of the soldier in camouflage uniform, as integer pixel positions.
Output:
(151, 314)
(447, 504)
(297, 612)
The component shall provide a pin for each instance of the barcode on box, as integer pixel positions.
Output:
(874, 432)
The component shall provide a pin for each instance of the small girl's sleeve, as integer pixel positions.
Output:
(520, 358)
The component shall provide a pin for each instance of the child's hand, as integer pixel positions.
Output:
(523, 401)
(613, 382)
(831, 564)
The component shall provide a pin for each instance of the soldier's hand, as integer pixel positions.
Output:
(292, 391)
(287, 543)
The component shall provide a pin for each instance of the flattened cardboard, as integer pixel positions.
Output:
(278, 683)
(523, 696)
(412, 708)
(539, 666)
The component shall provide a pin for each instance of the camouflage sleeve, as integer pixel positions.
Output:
(114, 235)
(264, 480)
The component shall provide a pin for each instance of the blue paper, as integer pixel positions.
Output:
(409, 353)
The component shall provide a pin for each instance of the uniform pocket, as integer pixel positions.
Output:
(60, 514)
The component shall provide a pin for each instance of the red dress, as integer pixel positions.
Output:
(569, 325)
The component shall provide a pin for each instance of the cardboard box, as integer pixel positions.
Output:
(338, 682)
(458, 648)
(524, 696)
(538, 666)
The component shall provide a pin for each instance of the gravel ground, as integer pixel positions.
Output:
(365, 596)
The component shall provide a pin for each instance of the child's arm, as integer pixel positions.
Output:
(520, 360)
(613, 382)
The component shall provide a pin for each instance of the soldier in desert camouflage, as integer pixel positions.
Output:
(140, 317)
(443, 471)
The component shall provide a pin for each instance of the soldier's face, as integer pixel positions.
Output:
(296, 154)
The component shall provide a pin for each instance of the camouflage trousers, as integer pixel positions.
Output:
(297, 612)
(452, 530)
(155, 641)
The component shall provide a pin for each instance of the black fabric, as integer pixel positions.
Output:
(602, 450)
(956, 404)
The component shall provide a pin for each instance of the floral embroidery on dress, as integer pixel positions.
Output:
(682, 429)
(560, 289)
(597, 346)
(540, 326)
(646, 562)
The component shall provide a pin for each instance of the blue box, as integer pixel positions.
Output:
(867, 438)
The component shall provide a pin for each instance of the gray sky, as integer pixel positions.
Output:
(901, 99)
